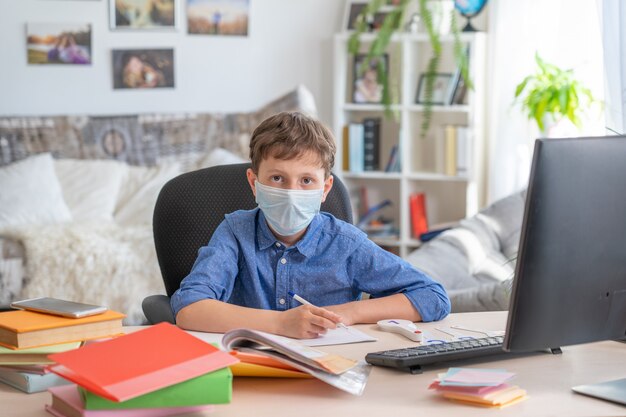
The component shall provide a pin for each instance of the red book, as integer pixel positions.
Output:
(419, 221)
(140, 362)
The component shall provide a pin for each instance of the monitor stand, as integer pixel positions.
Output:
(614, 391)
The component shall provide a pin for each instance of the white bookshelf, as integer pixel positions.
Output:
(449, 198)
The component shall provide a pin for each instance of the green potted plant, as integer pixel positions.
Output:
(393, 23)
(552, 94)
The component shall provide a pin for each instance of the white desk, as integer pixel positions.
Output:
(547, 378)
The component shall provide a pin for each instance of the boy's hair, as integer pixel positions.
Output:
(288, 135)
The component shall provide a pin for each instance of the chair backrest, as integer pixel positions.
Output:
(192, 205)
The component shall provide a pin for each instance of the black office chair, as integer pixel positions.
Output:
(187, 212)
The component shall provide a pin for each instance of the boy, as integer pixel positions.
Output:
(243, 277)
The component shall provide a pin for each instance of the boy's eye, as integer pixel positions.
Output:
(307, 181)
(276, 178)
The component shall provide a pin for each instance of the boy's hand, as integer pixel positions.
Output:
(307, 322)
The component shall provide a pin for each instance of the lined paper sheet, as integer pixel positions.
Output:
(339, 336)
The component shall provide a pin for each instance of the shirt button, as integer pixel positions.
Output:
(283, 261)
(281, 301)
(277, 245)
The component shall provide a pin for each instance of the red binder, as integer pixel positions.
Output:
(140, 362)
(419, 221)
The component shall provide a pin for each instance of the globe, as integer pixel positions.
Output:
(469, 9)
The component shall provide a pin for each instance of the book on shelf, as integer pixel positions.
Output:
(455, 158)
(371, 144)
(210, 388)
(345, 138)
(30, 382)
(21, 329)
(357, 147)
(33, 356)
(68, 402)
(450, 150)
(393, 163)
(417, 211)
(463, 151)
(338, 371)
(135, 367)
(372, 212)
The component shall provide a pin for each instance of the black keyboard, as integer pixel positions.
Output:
(413, 358)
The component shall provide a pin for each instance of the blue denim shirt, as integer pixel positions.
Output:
(334, 262)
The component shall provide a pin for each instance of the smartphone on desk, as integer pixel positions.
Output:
(59, 307)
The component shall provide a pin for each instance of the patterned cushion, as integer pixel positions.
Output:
(139, 139)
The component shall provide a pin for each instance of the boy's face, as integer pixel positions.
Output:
(302, 173)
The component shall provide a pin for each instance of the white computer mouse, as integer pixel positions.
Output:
(404, 327)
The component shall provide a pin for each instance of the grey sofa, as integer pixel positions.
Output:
(475, 260)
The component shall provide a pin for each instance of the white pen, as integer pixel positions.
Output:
(305, 302)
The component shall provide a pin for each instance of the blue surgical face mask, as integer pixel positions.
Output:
(288, 211)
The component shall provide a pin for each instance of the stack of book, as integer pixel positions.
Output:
(25, 369)
(27, 338)
(161, 370)
(361, 145)
(480, 387)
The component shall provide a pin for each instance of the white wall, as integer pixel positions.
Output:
(289, 43)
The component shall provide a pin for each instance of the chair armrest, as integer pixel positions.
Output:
(12, 261)
(157, 309)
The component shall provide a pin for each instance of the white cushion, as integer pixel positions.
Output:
(219, 156)
(90, 186)
(139, 193)
(30, 193)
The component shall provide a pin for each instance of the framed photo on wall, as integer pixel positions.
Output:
(58, 43)
(143, 14)
(441, 89)
(218, 17)
(368, 87)
(143, 68)
(353, 8)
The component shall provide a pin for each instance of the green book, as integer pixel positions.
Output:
(212, 388)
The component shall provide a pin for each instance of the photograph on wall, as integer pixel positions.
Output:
(441, 89)
(353, 8)
(218, 17)
(58, 43)
(368, 87)
(143, 68)
(143, 14)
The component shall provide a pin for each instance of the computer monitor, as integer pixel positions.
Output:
(570, 278)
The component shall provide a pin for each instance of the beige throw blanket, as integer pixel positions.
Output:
(100, 263)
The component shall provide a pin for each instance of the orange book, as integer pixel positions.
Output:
(263, 366)
(417, 209)
(21, 329)
(139, 363)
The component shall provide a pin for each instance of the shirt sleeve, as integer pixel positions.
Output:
(214, 271)
(381, 273)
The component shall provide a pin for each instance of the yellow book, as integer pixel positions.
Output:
(514, 401)
(450, 151)
(498, 398)
(255, 370)
(262, 366)
(22, 329)
(345, 133)
(33, 356)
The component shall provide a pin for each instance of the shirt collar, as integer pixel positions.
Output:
(306, 245)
